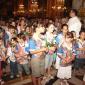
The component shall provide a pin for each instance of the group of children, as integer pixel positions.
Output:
(42, 49)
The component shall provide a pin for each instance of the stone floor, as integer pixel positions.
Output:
(77, 79)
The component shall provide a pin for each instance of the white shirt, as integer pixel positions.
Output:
(11, 55)
(50, 37)
(74, 24)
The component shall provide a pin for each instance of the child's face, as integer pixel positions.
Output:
(41, 29)
(27, 29)
(13, 23)
(74, 34)
(11, 31)
(65, 29)
(51, 28)
(21, 41)
(68, 39)
(82, 35)
(13, 42)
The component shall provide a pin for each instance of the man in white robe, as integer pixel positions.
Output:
(74, 23)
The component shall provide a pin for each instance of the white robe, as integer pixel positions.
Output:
(74, 24)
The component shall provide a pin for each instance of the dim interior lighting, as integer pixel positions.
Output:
(34, 7)
(53, 7)
(59, 7)
(21, 9)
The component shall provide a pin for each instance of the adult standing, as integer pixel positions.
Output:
(74, 23)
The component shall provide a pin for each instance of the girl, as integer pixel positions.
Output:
(21, 56)
(80, 58)
(37, 49)
(59, 40)
(50, 41)
(2, 58)
(66, 55)
(11, 57)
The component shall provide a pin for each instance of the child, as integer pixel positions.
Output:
(66, 55)
(9, 34)
(21, 56)
(59, 40)
(37, 50)
(2, 58)
(11, 57)
(80, 58)
(50, 41)
(74, 34)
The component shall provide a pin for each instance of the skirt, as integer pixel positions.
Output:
(64, 72)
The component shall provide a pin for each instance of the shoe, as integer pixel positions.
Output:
(11, 76)
(2, 82)
(17, 75)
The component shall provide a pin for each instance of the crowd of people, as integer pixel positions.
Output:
(35, 46)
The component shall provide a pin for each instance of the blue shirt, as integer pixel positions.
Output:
(31, 46)
(58, 38)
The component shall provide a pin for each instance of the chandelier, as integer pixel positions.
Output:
(21, 8)
(59, 5)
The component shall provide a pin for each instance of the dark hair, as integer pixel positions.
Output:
(73, 31)
(70, 34)
(74, 11)
(81, 32)
(14, 39)
(11, 27)
(64, 25)
(21, 36)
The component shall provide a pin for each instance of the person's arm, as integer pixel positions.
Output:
(42, 50)
(60, 53)
(81, 49)
(60, 56)
(38, 50)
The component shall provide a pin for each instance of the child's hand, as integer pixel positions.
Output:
(64, 61)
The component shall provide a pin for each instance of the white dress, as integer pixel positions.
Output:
(64, 72)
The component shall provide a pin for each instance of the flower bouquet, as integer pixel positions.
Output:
(68, 59)
(50, 47)
(26, 33)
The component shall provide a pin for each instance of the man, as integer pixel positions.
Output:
(74, 23)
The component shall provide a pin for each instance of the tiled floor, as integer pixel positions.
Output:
(75, 80)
